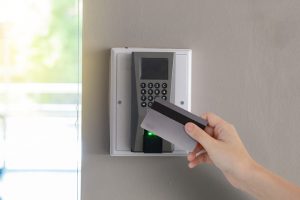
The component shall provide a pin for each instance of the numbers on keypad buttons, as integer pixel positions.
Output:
(164, 97)
(143, 98)
(143, 85)
(150, 98)
(150, 85)
(150, 91)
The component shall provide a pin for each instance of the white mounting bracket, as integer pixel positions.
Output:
(120, 95)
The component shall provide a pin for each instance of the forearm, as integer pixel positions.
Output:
(264, 185)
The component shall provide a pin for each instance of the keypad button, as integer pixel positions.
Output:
(150, 98)
(143, 91)
(143, 98)
(164, 92)
(143, 104)
(164, 85)
(150, 85)
(164, 97)
(150, 104)
(150, 91)
(156, 92)
(143, 85)
(156, 85)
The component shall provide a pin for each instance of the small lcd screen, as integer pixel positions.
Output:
(154, 69)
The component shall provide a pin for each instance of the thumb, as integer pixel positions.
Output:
(199, 135)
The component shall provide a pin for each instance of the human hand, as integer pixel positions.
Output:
(223, 147)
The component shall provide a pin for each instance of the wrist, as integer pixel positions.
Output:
(248, 170)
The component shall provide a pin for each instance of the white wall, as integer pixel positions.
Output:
(246, 57)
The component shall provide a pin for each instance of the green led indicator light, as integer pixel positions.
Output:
(150, 134)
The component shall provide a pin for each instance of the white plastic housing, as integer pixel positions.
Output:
(120, 95)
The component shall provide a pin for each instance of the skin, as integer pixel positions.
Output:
(223, 148)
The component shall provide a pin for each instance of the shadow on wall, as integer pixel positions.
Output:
(205, 182)
(167, 178)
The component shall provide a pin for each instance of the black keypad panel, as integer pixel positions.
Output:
(159, 90)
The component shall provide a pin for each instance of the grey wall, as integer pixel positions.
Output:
(246, 56)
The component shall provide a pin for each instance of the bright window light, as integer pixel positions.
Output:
(40, 99)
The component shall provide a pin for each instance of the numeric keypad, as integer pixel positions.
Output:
(148, 89)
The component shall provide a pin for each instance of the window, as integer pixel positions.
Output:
(40, 94)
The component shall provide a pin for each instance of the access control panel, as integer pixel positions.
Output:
(138, 76)
(151, 79)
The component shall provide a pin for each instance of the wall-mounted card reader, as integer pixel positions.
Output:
(151, 79)
(138, 76)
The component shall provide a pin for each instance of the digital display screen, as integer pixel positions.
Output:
(154, 69)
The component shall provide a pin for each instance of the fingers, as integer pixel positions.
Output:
(217, 127)
(207, 138)
(197, 148)
(193, 154)
(199, 135)
(196, 152)
(203, 158)
(209, 130)
(197, 156)
(212, 119)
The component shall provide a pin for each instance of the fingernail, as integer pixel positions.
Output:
(189, 127)
(191, 165)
